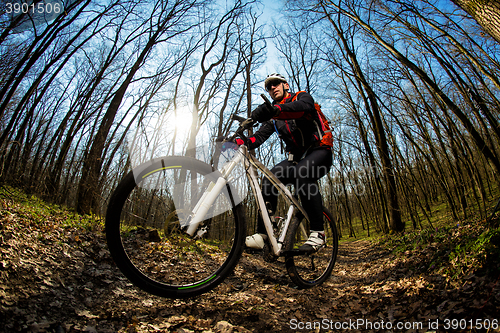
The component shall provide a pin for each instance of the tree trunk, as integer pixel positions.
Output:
(485, 12)
(395, 221)
(88, 185)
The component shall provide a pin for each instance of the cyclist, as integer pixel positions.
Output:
(295, 119)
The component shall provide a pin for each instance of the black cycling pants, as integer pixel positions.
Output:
(304, 176)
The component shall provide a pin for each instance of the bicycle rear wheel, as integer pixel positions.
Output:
(143, 228)
(310, 269)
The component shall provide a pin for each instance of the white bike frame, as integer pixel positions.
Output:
(251, 166)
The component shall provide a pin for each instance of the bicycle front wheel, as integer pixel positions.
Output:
(144, 228)
(310, 269)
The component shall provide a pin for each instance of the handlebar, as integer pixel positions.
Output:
(266, 100)
(238, 118)
(245, 123)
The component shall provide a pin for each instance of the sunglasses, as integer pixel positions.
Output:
(273, 83)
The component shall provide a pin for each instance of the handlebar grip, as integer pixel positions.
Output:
(267, 102)
(238, 118)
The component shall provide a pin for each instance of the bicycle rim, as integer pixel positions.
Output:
(309, 270)
(143, 228)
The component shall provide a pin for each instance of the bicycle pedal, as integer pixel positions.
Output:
(249, 250)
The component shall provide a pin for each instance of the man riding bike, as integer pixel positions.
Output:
(296, 121)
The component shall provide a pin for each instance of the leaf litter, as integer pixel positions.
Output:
(56, 278)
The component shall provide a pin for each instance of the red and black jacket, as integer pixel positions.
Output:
(295, 124)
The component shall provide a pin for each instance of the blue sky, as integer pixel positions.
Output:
(271, 11)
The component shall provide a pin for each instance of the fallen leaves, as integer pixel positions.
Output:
(54, 278)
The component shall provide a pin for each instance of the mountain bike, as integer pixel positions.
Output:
(176, 228)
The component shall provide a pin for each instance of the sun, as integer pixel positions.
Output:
(181, 122)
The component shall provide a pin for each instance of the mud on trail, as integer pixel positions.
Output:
(61, 279)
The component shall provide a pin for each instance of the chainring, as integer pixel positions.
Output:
(268, 254)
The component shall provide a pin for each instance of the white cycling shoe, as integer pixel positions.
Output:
(256, 241)
(316, 241)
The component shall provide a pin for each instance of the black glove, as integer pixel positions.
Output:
(263, 113)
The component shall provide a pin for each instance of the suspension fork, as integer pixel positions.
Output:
(211, 193)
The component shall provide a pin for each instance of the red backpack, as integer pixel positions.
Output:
(324, 130)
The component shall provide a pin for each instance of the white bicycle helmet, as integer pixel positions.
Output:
(273, 77)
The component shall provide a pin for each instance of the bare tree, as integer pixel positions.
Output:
(375, 115)
(164, 23)
(299, 47)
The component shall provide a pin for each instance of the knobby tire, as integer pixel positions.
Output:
(144, 236)
(309, 270)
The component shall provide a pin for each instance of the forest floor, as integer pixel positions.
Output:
(59, 277)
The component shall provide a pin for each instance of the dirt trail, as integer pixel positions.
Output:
(55, 279)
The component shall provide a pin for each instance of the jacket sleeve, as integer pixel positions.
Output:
(262, 134)
(304, 104)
